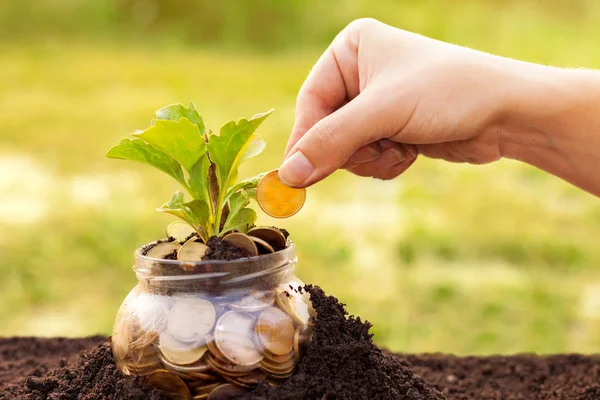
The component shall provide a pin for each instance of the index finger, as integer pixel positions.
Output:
(331, 83)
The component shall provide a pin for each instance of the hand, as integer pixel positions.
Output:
(379, 96)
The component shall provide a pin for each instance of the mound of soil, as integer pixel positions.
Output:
(341, 362)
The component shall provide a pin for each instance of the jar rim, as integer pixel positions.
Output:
(290, 248)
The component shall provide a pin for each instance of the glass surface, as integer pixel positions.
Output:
(193, 328)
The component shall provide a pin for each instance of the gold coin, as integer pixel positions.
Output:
(228, 368)
(226, 391)
(151, 312)
(180, 353)
(293, 304)
(204, 376)
(142, 371)
(262, 246)
(191, 319)
(243, 242)
(282, 376)
(162, 250)
(269, 356)
(198, 366)
(278, 359)
(121, 338)
(249, 380)
(233, 337)
(166, 382)
(271, 235)
(144, 356)
(200, 396)
(297, 343)
(142, 347)
(200, 387)
(277, 368)
(253, 302)
(214, 350)
(275, 331)
(277, 199)
(191, 250)
(179, 230)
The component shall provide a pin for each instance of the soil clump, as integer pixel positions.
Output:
(341, 362)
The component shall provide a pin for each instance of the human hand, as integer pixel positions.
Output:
(379, 96)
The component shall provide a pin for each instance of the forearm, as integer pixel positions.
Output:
(552, 121)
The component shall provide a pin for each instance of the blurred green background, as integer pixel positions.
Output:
(452, 258)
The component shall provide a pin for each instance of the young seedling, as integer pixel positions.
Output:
(206, 164)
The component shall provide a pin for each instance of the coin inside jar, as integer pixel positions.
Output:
(233, 338)
(122, 337)
(294, 304)
(151, 312)
(253, 302)
(275, 331)
(191, 319)
(178, 352)
(166, 382)
(226, 391)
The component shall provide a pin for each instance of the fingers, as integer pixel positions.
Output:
(364, 154)
(330, 142)
(394, 160)
(332, 82)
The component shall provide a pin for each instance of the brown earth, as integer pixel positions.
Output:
(341, 363)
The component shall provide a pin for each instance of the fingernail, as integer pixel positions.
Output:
(374, 149)
(399, 153)
(296, 169)
(412, 151)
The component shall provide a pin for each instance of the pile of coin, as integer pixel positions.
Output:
(195, 347)
(187, 246)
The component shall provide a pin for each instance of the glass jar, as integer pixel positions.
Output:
(213, 329)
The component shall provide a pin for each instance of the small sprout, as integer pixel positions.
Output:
(206, 165)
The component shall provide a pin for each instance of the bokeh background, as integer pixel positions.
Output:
(451, 258)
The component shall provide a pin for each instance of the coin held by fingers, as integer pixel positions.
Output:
(277, 199)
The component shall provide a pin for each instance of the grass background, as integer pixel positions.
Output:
(461, 259)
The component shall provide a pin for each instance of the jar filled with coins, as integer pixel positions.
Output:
(213, 329)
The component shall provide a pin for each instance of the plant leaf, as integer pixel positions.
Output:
(198, 179)
(176, 206)
(138, 150)
(180, 139)
(236, 203)
(200, 210)
(244, 219)
(235, 144)
(247, 184)
(175, 112)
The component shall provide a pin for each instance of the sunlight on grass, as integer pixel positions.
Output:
(472, 260)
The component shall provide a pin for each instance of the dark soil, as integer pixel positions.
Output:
(340, 363)
(217, 250)
(220, 250)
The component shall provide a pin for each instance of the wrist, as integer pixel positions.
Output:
(551, 120)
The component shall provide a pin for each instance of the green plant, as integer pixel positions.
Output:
(205, 163)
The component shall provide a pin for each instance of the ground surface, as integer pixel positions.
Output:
(564, 377)
(341, 362)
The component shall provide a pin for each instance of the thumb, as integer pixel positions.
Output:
(332, 140)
